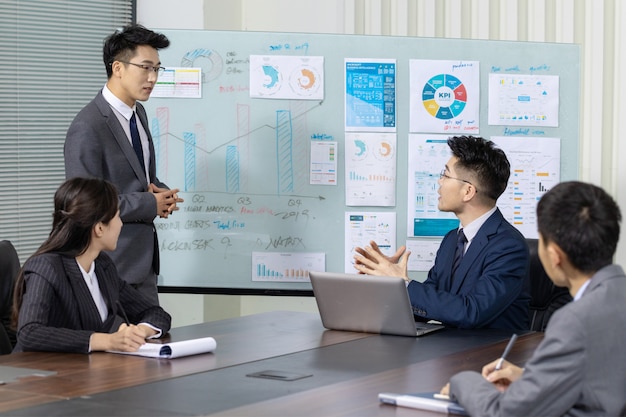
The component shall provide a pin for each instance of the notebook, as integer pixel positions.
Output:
(366, 303)
(173, 350)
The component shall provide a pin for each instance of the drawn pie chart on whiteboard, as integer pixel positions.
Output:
(444, 96)
(210, 61)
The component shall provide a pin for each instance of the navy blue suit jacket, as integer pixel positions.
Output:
(489, 287)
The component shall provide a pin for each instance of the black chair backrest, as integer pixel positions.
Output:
(9, 268)
(545, 297)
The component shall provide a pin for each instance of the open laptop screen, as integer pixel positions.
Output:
(365, 303)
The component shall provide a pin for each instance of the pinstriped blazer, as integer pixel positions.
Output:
(58, 313)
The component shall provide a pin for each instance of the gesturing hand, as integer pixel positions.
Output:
(370, 260)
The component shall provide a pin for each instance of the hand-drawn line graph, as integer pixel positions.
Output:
(289, 138)
(241, 163)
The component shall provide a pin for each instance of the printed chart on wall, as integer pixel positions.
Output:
(364, 227)
(524, 100)
(287, 77)
(370, 169)
(428, 155)
(286, 267)
(535, 168)
(444, 96)
(370, 95)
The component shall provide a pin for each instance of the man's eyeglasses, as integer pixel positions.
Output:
(157, 70)
(443, 175)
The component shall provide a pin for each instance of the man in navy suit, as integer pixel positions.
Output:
(110, 139)
(482, 284)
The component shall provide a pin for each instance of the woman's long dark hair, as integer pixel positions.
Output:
(79, 204)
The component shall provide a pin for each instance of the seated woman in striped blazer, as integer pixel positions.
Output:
(69, 293)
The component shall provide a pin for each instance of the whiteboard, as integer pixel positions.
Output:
(242, 163)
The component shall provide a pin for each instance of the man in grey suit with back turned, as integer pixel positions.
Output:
(579, 369)
(110, 139)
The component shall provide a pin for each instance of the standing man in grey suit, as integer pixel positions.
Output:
(579, 369)
(110, 139)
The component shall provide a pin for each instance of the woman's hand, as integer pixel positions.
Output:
(128, 338)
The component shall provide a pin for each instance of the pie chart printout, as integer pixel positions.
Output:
(444, 96)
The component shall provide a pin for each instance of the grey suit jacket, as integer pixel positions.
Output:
(579, 369)
(58, 313)
(97, 146)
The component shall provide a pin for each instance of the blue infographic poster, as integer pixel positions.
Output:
(370, 97)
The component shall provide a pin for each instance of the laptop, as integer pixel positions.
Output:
(366, 303)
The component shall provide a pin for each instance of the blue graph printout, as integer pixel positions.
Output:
(370, 95)
(428, 155)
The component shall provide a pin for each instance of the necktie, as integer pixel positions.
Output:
(460, 249)
(134, 135)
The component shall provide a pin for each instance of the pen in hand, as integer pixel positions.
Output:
(121, 310)
(506, 352)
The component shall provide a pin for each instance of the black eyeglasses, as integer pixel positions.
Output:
(443, 175)
(157, 70)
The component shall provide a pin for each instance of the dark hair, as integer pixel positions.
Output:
(79, 204)
(487, 164)
(583, 220)
(121, 45)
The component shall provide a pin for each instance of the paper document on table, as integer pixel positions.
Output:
(423, 401)
(174, 349)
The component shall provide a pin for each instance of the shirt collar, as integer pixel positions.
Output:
(89, 273)
(117, 104)
(581, 290)
(471, 229)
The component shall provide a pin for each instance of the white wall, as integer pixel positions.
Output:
(319, 16)
(594, 24)
(171, 14)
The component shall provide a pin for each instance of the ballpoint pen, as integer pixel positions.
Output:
(506, 352)
(121, 310)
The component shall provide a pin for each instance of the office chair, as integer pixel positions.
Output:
(9, 268)
(545, 297)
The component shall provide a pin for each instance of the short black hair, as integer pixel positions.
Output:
(121, 45)
(482, 159)
(583, 220)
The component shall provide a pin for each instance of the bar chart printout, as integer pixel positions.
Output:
(370, 160)
(535, 169)
(286, 266)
